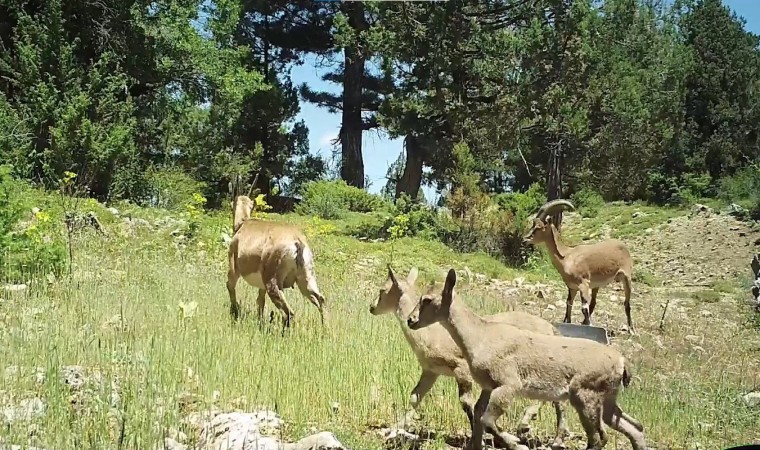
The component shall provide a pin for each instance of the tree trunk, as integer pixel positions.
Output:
(411, 178)
(554, 179)
(352, 163)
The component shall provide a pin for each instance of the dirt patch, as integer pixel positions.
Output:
(694, 251)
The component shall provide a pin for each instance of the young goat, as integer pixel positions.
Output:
(270, 256)
(438, 354)
(507, 362)
(586, 267)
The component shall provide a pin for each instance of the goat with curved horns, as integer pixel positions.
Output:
(271, 257)
(586, 267)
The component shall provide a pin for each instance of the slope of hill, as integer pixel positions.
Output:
(143, 323)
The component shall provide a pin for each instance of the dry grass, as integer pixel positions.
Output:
(120, 315)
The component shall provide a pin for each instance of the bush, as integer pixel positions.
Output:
(407, 218)
(588, 202)
(663, 189)
(171, 188)
(330, 199)
(494, 227)
(522, 202)
(26, 250)
(686, 189)
(743, 189)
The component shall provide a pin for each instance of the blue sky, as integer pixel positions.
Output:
(379, 151)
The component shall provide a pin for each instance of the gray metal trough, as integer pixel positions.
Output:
(575, 330)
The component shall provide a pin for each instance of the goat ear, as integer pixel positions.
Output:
(448, 288)
(412, 277)
(392, 276)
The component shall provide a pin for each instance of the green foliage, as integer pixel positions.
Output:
(28, 249)
(331, 199)
(194, 212)
(519, 203)
(494, 227)
(685, 189)
(743, 189)
(588, 202)
(171, 188)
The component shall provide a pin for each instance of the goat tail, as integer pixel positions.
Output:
(232, 255)
(304, 256)
(626, 373)
(299, 254)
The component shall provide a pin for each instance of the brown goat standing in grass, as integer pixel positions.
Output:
(271, 257)
(585, 267)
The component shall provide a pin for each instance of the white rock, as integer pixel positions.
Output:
(171, 444)
(320, 441)
(14, 287)
(752, 399)
(27, 409)
(397, 436)
(113, 211)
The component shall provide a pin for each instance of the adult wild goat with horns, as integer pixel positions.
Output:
(269, 256)
(586, 267)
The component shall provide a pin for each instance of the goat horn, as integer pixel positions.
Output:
(255, 180)
(551, 206)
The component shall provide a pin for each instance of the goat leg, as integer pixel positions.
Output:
(569, 308)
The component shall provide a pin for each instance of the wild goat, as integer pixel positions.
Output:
(269, 256)
(586, 267)
(438, 354)
(507, 362)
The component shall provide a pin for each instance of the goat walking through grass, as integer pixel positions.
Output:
(438, 354)
(508, 362)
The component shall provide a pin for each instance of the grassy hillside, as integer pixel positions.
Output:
(145, 315)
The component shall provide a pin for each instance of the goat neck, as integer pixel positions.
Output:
(557, 249)
(465, 327)
(241, 214)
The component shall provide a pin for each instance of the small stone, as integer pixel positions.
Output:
(752, 400)
(551, 307)
(705, 313)
(692, 338)
(559, 304)
(14, 287)
(170, 444)
(27, 409)
(113, 211)
(10, 372)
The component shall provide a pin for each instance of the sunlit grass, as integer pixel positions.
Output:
(119, 314)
